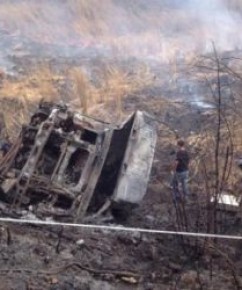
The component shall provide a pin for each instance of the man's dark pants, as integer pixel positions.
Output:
(180, 178)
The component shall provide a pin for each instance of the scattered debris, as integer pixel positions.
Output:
(227, 202)
(130, 280)
(80, 242)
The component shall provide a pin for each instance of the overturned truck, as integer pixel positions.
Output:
(67, 164)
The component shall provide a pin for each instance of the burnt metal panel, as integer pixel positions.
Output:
(135, 169)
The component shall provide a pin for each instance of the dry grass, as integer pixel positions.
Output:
(41, 82)
(14, 113)
(113, 86)
(19, 96)
(128, 28)
(82, 88)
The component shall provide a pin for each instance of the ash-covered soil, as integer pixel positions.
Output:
(56, 258)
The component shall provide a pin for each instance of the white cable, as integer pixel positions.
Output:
(119, 228)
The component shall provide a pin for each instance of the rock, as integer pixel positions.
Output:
(189, 280)
(67, 255)
(31, 208)
(109, 277)
(150, 218)
(29, 216)
(149, 286)
(80, 242)
(175, 267)
(130, 280)
(98, 261)
(2, 206)
(54, 280)
(145, 238)
(39, 251)
(166, 278)
(129, 238)
(47, 260)
(84, 282)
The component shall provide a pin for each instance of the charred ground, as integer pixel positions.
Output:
(36, 257)
(109, 77)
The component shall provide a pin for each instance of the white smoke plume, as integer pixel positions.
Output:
(154, 29)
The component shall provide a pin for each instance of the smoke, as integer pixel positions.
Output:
(154, 29)
(217, 23)
(197, 24)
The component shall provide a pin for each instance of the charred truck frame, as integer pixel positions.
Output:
(65, 163)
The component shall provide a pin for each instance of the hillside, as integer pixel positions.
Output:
(178, 60)
(154, 29)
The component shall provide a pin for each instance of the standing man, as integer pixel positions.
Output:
(181, 171)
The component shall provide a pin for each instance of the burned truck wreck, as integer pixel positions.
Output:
(64, 163)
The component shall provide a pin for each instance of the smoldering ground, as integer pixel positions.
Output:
(156, 29)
